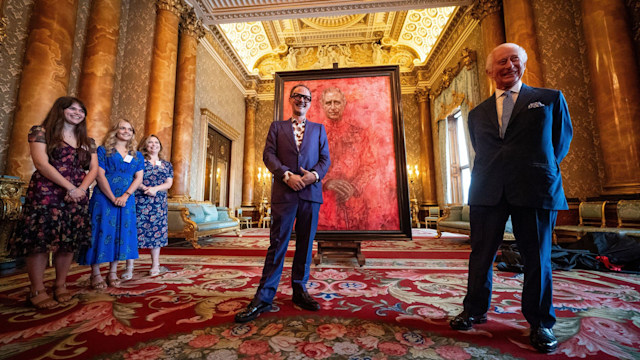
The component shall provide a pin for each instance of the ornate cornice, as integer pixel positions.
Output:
(226, 53)
(398, 21)
(482, 8)
(468, 57)
(218, 11)
(191, 25)
(217, 122)
(174, 6)
(460, 26)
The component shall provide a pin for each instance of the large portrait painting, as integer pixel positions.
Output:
(365, 190)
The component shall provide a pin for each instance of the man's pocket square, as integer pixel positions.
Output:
(534, 105)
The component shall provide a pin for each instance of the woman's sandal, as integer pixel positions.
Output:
(127, 275)
(97, 282)
(112, 280)
(40, 300)
(61, 294)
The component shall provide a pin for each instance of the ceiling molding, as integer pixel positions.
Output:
(231, 11)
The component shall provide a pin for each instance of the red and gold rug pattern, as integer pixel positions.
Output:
(391, 308)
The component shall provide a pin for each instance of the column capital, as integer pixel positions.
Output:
(251, 102)
(482, 8)
(173, 6)
(191, 25)
(422, 95)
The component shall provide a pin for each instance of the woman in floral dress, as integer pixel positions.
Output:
(151, 203)
(55, 216)
(113, 210)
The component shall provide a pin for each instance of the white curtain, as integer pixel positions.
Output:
(463, 93)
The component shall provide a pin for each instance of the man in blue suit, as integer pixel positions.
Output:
(520, 136)
(297, 153)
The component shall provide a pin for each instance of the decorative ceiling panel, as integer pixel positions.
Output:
(345, 32)
(230, 11)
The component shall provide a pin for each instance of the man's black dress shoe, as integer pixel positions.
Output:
(464, 321)
(252, 311)
(305, 301)
(543, 339)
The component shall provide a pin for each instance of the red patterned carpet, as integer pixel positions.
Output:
(395, 307)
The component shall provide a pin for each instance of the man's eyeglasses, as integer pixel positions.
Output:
(300, 97)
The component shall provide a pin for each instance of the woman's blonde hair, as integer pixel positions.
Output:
(110, 140)
(143, 147)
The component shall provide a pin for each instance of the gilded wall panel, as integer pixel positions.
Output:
(134, 64)
(84, 6)
(562, 49)
(264, 118)
(216, 92)
(11, 55)
(120, 61)
(411, 119)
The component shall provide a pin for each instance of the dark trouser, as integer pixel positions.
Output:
(305, 214)
(533, 232)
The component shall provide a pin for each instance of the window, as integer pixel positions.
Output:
(459, 172)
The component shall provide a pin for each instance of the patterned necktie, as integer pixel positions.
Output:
(507, 109)
(298, 131)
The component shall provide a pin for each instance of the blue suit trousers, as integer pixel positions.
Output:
(305, 215)
(533, 232)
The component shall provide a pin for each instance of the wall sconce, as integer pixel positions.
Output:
(414, 174)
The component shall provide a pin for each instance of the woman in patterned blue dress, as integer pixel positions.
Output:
(151, 203)
(113, 210)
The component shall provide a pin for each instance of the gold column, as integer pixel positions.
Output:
(427, 160)
(488, 12)
(249, 163)
(162, 82)
(45, 75)
(99, 66)
(520, 29)
(3, 23)
(616, 89)
(191, 31)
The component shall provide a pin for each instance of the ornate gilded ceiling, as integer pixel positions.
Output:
(349, 33)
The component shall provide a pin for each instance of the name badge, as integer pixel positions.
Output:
(158, 163)
(128, 158)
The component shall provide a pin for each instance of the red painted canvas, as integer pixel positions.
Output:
(360, 189)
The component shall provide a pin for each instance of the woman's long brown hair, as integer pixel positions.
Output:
(54, 122)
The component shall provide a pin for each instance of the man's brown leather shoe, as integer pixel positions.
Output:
(305, 301)
(255, 308)
(464, 321)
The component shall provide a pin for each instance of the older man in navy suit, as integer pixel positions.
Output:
(297, 153)
(520, 136)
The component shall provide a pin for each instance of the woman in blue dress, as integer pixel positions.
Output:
(113, 210)
(151, 203)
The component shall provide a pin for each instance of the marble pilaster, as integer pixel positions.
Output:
(95, 88)
(249, 163)
(427, 157)
(45, 75)
(615, 81)
(519, 25)
(162, 79)
(191, 31)
(489, 13)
